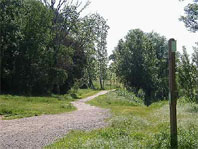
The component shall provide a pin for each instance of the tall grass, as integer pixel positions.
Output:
(12, 107)
(134, 125)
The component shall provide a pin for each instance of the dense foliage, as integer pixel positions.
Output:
(188, 67)
(141, 63)
(190, 18)
(188, 75)
(46, 46)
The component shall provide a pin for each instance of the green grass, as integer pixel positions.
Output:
(107, 85)
(12, 107)
(134, 125)
(82, 93)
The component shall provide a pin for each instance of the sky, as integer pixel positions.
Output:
(161, 16)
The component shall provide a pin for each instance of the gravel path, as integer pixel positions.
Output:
(37, 132)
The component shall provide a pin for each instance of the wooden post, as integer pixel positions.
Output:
(0, 67)
(172, 93)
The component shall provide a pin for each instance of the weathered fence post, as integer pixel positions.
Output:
(0, 67)
(172, 93)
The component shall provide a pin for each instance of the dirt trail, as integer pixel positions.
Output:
(37, 132)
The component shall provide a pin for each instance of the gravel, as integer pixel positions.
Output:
(39, 131)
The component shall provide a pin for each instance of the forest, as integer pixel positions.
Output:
(53, 57)
(67, 50)
(50, 49)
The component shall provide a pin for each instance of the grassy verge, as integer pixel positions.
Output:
(82, 93)
(134, 125)
(12, 107)
(107, 85)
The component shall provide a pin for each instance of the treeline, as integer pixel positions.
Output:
(48, 47)
(187, 76)
(141, 62)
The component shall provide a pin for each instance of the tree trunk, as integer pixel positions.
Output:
(148, 98)
(91, 85)
(58, 89)
(110, 83)
(101, 87)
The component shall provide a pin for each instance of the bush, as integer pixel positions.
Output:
(130, 96)
(141, 94)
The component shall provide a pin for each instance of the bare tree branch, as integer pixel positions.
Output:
(61, 3)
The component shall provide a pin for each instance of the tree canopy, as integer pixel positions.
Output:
(190, 18)
(46, 46)
(141, 63)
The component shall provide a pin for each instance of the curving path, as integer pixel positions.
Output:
(37, 132)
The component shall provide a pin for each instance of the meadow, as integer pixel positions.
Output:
(12, 106)
(134, 125)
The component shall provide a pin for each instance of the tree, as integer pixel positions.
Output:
(140, 60)
(195, 55)
(88, 29)
(44, 56)
(9, 31)
(111, 75)
(188, 72)
(94, 33)
(191, 16)
(41, 56)
(160, 46)
(101, 37)
(187, 75)
(90, 70)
